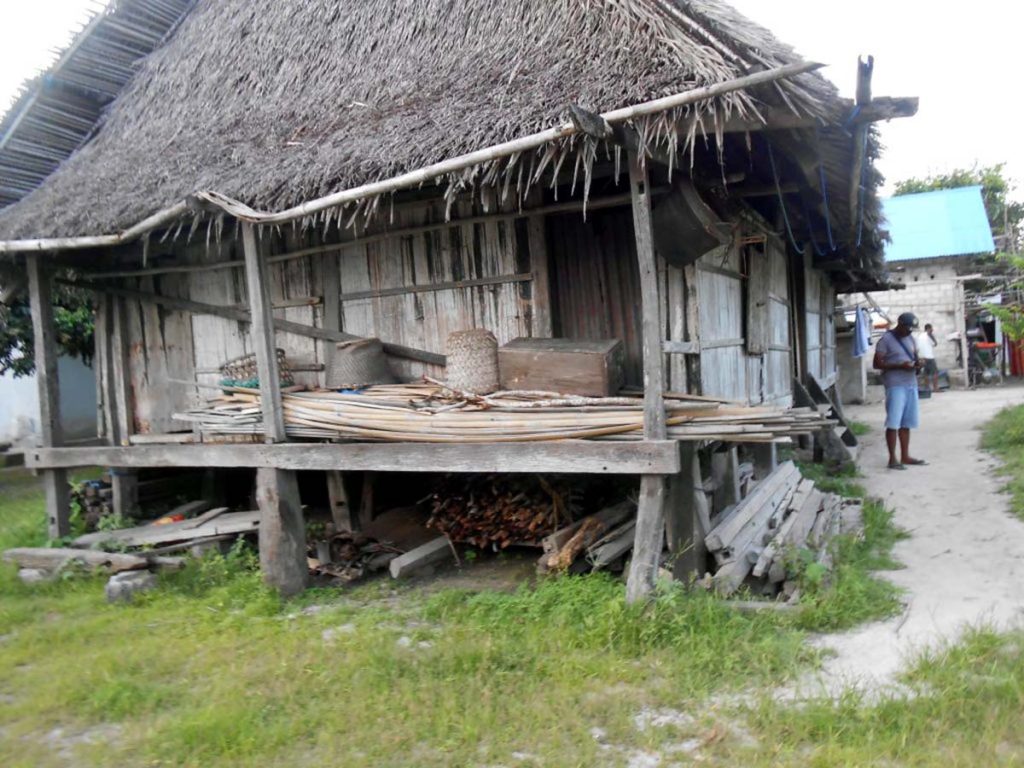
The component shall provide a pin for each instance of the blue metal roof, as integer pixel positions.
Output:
(947, 222)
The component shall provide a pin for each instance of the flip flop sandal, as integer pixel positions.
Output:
(897, 466)
(916, 463)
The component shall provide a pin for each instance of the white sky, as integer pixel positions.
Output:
(962, 62)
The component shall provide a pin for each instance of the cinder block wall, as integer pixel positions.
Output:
(934, 295)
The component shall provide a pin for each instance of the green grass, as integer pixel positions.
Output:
(214, 669)
(859, 428)
(961, 706)
(829, 480)
(1004, 436)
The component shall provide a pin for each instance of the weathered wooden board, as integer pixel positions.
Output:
(229, 523)
(47, 559)
(659, 457)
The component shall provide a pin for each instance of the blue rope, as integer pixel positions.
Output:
(782, 202)
(810, 230)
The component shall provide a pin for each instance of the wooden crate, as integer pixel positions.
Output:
(568, 366)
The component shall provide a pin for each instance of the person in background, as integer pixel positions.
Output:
(896, 357)
(926, 352)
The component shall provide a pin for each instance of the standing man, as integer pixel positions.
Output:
(926, 352)
(896, 357)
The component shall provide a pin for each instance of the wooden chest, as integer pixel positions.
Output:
(567, 366)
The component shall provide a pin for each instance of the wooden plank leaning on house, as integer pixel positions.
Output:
(650, 524)
(282, 527)
(51, 432)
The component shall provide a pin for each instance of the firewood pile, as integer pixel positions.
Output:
(783, 522)
(499, 511)
(598, 541)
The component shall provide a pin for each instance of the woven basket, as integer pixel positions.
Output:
(359, 363)
(473, 361)
(243, 371)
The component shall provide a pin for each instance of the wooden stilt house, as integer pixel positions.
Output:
(293, 174)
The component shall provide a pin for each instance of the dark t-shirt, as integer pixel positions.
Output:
(895, 350)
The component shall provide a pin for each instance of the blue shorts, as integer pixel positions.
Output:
(901, 411)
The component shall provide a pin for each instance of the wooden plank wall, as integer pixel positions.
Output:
(457, 253)
(168, 344)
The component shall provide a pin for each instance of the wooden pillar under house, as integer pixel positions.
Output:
(282, 527)
(51, 432)
(650, 524)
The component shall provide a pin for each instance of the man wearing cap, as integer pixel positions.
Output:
(896, 357)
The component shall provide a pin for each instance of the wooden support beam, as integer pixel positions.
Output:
(687, 518)
(562, 456)
(125, 486)
(282, 531)
(542, 327)
(343, 512)
(650, 526)
(51, 431)
(330, 276)
(766, 459)
(120, 374)
(282, 526)
(262, 335)
(726, 470)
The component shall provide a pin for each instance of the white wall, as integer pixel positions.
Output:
(19, 404)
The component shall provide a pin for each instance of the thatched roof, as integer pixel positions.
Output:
(274, 102)
(57, 111)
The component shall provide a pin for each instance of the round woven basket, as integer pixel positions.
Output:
(358, 363)
(473, 361)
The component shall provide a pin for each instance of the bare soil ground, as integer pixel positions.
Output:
(964, 557)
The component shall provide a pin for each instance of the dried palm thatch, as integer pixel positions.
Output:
(274, 102)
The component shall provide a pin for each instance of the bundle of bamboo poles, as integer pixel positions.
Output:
(430, 413)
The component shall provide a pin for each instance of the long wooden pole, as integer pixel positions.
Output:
(413, 178)
(262, 336)
(242, 316)
(650, 523)
(51, 431)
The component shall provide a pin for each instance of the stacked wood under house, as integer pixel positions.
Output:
(550, 274)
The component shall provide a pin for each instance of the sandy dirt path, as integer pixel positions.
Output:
(965, 555)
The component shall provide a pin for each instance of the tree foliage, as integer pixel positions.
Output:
(1006, 216)
(73, 322)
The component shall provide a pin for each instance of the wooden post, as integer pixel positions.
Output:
(343, 514)
(766, 459)
(282, 530)
(331, 276)
(125, 486)
(726, 472)
(541, 290)
(687, 518)
(51, 432)
(282, 527)
(119, 374)
(650, 524)
(261, 309)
